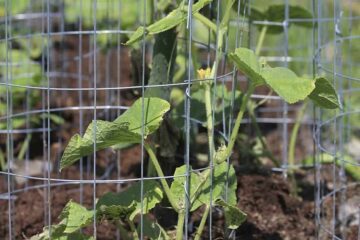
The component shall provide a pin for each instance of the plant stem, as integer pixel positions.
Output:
(207, 22)
(24, 147)
(180, 225)
(160, 173)
(259, 136)
(210, 123)
(202, 223)
(261, 40)
(133, 229)
(294, 134)
(235, 130)
(2, 161)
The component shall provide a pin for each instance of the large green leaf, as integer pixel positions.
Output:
(173, 19)
(74, 217)
(287, 85)
(248, 63)
(324, 94)
(234, 217)
(282, 80)
(128, 203)
(125, 129)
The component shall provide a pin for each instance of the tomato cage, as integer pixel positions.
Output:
(337, 132)
(178, 119)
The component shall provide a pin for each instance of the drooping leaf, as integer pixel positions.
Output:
(74, 217)
(152, 230)
(173, 19)
(248, 63)
(282, 80)
(125, 129)
(287, 85)
(234, 217)
(324, 94)
(128, 203)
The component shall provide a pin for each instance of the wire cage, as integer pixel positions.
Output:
(337, 159)
(65, 68)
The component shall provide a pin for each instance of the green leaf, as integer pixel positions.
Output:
(128, 203)
(173, 19)
(57, 233)
(248, 63)
(282, 80)
(324, 94)
(125, 129)
(276, 13)
(234, 217)
(152, 230)
(74, 216)
(223, 184)
(287, 85)
(177, 187)
(154, 110)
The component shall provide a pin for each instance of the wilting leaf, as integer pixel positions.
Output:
(234, 217)
(125, 129)
(324, 94)
(128, 203)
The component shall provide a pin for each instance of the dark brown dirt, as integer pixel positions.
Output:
(272, 212)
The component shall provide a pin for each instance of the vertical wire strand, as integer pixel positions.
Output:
(94, 11)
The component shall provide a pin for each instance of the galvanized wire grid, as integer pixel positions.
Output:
(337, 132)
(84, 82)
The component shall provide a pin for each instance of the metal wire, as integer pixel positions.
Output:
(83, 81)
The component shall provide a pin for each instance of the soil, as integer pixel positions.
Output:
(273, 213)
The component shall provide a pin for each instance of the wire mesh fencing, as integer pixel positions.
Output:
(117, 116)
(337, 159)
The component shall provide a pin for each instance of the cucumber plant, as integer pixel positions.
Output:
(189, 189)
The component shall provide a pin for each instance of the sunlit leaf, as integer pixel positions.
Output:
(74, 217)
(125, 129)
(287, 85)
(248, 63)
